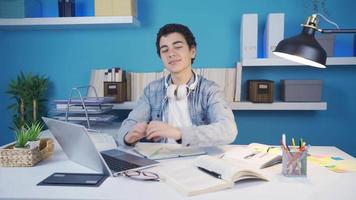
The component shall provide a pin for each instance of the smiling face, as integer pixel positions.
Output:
(176, 54)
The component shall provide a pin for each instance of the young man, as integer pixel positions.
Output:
(182, 107)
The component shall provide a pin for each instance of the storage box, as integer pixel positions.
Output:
(301, 90)
(327, 42)
(20, 8)
(260, 91)
(115, 8)
(118, 90)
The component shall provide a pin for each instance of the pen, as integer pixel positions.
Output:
(301, 142)
(266, 152)
(293, 143)
(214, 174)
(250, 155)
(284, 140)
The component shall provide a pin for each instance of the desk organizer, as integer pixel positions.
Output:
(10, 157)
(294, 162)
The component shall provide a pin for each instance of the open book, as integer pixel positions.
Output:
(257, 154)
(157, 151)
(207, 174)
(102, 141)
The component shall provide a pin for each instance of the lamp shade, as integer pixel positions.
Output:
(302, 48)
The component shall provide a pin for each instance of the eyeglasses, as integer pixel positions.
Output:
(141, 175)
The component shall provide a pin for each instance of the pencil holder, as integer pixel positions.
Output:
(294, 162)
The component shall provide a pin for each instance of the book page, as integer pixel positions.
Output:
(220, 166)
(229, 169)
(163, 150)
(189, 180)
(259, 155)
(102, 141)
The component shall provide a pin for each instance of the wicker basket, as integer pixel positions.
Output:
(10, 157)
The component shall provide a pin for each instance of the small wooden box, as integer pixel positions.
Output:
(260, 91)
(118, 90)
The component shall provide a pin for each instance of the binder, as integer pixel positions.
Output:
(274, 33)
(249, 34)
(66, 8)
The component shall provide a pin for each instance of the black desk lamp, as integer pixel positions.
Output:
(304, 48)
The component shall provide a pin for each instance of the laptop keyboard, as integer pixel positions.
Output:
(118, 165)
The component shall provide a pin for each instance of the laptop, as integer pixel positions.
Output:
(77, 145)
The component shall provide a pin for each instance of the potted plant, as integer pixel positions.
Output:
(33, 134)
(29, 94)
(21, 138)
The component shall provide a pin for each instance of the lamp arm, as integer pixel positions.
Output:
(337, 30)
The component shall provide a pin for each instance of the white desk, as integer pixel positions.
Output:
(20, 183)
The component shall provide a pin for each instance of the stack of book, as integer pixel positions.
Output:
(99, 76)
(140, 80)
(224, 77)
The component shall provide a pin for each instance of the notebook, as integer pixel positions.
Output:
(77, 145)
(158, 151)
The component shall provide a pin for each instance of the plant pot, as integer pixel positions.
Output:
(33, 144)
(24, 148)
(22, 157)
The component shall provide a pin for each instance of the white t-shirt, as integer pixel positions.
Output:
(178, 114)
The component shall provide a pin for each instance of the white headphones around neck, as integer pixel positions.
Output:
(179, 92)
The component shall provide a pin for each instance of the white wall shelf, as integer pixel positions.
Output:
(262, 62)
(269, 62)
(127, 105)
(279, 106)
(67, 22)
(252, 106)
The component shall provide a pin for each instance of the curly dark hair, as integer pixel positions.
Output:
(176, 28)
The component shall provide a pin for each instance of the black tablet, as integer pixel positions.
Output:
(74, 179)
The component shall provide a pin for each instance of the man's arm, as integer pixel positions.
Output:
(222, 128)
(141, 113)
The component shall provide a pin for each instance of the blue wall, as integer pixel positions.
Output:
(67, 56)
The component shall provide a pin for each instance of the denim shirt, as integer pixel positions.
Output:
(212, 119)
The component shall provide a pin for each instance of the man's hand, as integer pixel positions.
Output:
(157, 129)
(138, 132)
